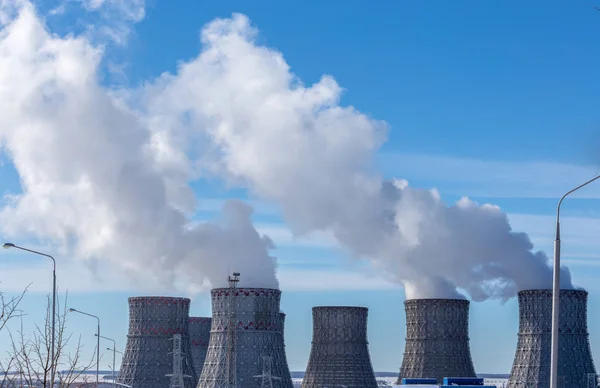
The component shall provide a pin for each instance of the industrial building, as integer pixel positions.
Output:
(246, 343)
(531, 367)
(437, 340)
(339, 354)
(199, 330)
(243, 344)
(158, 349)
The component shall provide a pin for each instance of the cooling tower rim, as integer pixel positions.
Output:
(425, 300)
(199, 319)
(158, 299)
(548, 292)
(324, 308)
(246, 289)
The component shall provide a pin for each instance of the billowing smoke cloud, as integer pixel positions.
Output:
(94, 178)
(110, 175)
(296, 146)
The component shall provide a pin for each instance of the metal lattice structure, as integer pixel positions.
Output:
(148, 357)
(258, 332)
(339, 355)
(285, 372)
(531, 366)
(177, 377)
(199, 329)
(266, 378)
(231, 358)
(437, 339)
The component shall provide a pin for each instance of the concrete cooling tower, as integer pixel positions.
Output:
(531, 367)
(199, 329)
(437, 339)
(158, 343)
(250, 318)
(339, 356)
(285, 375)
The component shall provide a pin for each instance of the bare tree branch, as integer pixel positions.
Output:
(9, 307)
(30, 362)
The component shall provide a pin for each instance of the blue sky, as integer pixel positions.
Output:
(495, 100)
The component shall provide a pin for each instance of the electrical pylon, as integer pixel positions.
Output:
(267, 375)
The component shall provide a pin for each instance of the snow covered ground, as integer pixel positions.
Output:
(390, 382)
(383, 381)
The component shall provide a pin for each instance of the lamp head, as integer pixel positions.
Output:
(8, 245)
(72, 310)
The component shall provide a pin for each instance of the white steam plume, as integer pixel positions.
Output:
(94, 178)
(298, 147)
(110, 176)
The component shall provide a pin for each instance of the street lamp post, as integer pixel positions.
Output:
(114, 350)
(98, 346)
(53, 361)
(556, 290)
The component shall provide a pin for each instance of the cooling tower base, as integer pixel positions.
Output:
(148, 357)
(257, 340)
(199, 329)
(437, 340)
(531, 367)
(339, 355)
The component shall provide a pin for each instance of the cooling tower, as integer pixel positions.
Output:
(339, 355)
(531, 367)
(437, 339)
(285, 375)
(148, 358)
(199, 329)
(258, 333)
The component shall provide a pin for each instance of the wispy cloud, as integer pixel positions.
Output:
(215, 205)
(283, 236)
(76, 278)
(581, 251)
(580, 243)
(495, 179)
(114, 18)
(72, 277)
(578, 234)
(317, 280)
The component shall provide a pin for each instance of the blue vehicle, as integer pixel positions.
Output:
(419, 381)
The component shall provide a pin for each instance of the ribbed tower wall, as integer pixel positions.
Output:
(153, 321)
(437, 339)
(285, 374)
(340, 354)
(531, 366)
(259, 332)
(199, 329)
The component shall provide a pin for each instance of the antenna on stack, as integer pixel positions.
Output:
(267, 375)
(177, 376)
(231, 364)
